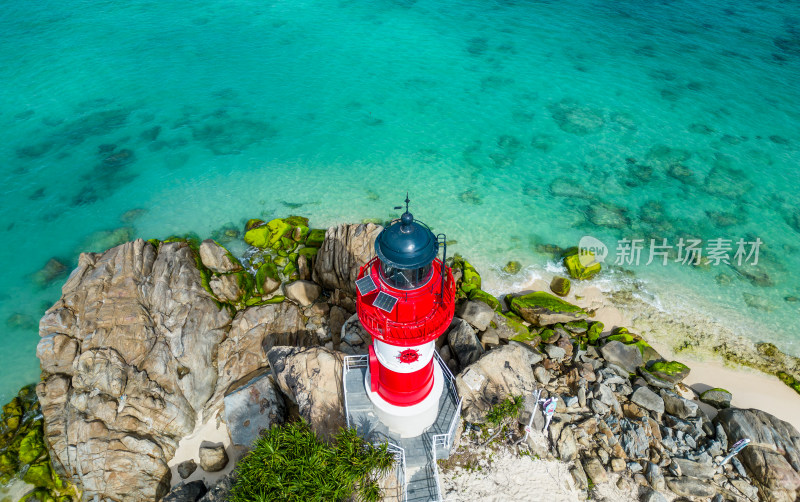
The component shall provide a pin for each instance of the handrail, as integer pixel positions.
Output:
(445, 440)
(362, 361)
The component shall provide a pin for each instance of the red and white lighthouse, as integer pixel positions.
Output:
(405, 301)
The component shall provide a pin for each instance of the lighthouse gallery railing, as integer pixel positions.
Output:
(357, 362)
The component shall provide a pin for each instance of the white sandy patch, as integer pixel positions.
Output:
(213, 431)
(505, 476)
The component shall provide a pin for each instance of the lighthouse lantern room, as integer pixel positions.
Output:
(405, 300)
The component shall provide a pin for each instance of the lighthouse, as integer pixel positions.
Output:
(405, 300)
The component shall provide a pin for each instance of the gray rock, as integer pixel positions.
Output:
(694, 469)
(773, 457)
(500, 373)
(567, 447)
(718, 398)
(618, 465)
(345, 249)
(252, 333)
(648, 399)
(678, 405)
(464, 342)
(217, 258)
(353, 333)
(490, 339)
(213, 458)
(654, 381)
(635, 467)
(649, 495)
(595, 470)
(690, 487)
(253, 408)
(655, 477)
(303, 292)
(542, 375)
(599, 408)
(555, 352)
(227, 288)
(186, 492)
(749, 491)
(477, 314)
(722, 437)
(186, 468)
(311, 378)
(220, 491)
(627, 357)
(579, 476)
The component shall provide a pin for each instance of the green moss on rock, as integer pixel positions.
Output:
(574, 263)
(315, 238)
(594, 331)
(267, 235)
(512, 267)
(546, 334)
(483, 296)
(543, 308)
(308, 252)
(253, 223)
(789, 380)
(299, 233)
(560, 286)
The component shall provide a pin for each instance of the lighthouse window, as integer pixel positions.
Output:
(403, 278)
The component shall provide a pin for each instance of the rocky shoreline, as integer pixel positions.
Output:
(153, 342)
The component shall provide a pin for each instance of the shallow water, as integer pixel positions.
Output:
(510, 123)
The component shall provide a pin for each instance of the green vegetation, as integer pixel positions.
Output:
(508, 408)
(291, 463)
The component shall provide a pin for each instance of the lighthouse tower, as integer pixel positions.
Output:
(405, 300)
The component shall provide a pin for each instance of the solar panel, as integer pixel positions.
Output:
(366, 285)
(385, 302)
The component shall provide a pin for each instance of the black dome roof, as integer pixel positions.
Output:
(406, 244)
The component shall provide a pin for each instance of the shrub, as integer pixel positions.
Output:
(291, 463)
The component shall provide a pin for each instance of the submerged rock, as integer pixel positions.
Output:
(512, 267)
(575, 118)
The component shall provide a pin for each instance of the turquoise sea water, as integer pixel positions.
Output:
(512, 124)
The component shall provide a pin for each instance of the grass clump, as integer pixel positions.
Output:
(291, 463)
(508, 408)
